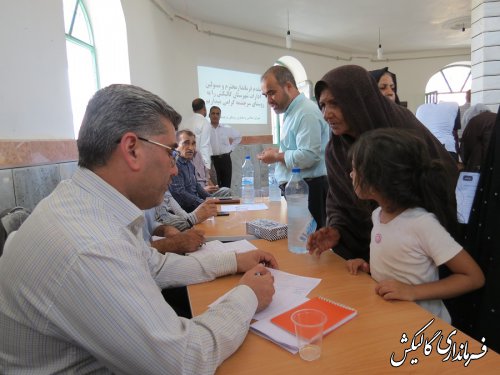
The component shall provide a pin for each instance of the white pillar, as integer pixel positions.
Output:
(485, 52)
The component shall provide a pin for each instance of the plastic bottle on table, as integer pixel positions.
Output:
(274, 189)
(247, 182)
(300, 222)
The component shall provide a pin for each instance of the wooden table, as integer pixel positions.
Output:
(362, 346)
(234, 225)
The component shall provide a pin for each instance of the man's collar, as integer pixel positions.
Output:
(294, 102)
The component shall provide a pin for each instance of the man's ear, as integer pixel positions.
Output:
(288, 87)
(131, 150)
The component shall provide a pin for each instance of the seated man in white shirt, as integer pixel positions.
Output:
(167, 238)
(172, 214)
(80, 289)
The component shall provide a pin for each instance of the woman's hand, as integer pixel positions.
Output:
(323, 239)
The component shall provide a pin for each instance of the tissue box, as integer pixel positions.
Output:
(268, 229)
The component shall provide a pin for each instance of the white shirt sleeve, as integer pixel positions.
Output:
(235, 135)
(124, 320)
(204, 145)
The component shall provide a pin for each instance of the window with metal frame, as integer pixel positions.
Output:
(83, 74)
(449, 84)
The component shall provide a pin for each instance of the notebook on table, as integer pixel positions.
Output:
(336, 314)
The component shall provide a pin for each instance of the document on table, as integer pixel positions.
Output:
(244, 207)
(290, 290)
(270, 331)
(217, 246)
(465, 193)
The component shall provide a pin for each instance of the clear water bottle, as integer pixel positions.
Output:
(274, 189)
(300, 222)
(247, 182)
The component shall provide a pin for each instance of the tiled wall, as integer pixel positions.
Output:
(30, 170)
(29, 153)
(29, 185)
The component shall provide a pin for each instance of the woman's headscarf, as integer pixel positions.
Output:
(472, 112)
(378, 73)
(475, 139)
(364, 108)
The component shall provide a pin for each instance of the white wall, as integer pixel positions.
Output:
(163, 56)
(34, 94)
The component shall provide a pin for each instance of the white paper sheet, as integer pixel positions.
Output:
(244, 207)
(216, 246)
(272, 332)
(289, 290)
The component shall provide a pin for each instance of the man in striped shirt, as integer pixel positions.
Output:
(80, 290)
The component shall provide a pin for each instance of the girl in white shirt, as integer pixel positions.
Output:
(411, 237)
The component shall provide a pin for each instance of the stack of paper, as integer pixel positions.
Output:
(290, 290)
(265, 328)
(217, 246)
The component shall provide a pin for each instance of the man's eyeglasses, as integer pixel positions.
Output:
(173, 153)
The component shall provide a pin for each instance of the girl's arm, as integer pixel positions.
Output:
(467, 276)
(353, 265)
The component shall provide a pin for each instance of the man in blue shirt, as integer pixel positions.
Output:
(304, 135)
(184, 188)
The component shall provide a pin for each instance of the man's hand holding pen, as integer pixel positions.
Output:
(248, 260)
(256, 276)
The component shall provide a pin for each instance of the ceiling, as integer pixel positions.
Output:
(352, 26)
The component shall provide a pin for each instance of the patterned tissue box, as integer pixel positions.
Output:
(268, 229)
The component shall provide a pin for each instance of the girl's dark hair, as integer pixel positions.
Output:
(397, 164)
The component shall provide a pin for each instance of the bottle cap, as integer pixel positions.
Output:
(295, 170)
(247, 157)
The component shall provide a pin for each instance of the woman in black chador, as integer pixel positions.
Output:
(478, 313)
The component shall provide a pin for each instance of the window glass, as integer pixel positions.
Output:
(69, 10)
(456, 77)
(81, 27)
(80, 68)
(81, 55)
(437, 83)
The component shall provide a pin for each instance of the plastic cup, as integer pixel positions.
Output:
(309, 325)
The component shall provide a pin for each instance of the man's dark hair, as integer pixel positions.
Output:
(114, 111)
(282, 75)
(198, 104)
(188, 132)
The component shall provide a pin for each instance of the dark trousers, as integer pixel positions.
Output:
(223, 168)
(318, 189)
